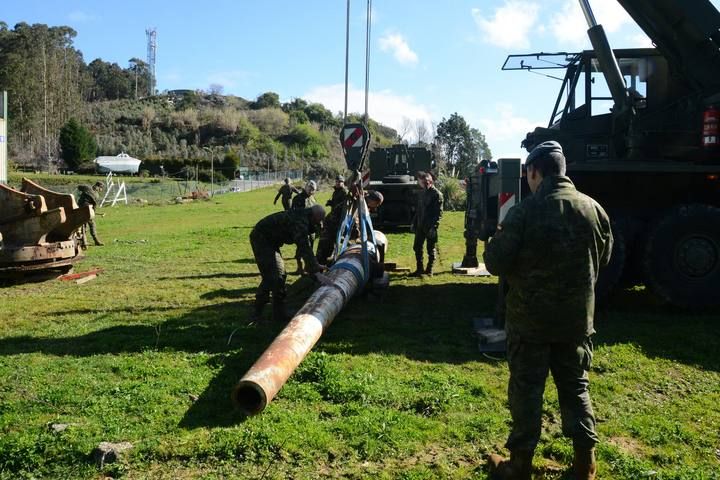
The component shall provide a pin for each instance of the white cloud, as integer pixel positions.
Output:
(570, 27)
(510, 25)
(80, 16)
(398, 46)
(385, 106)
(505, 130)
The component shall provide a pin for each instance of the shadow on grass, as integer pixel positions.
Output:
(661, 331)
(213, 275)
(425, 322)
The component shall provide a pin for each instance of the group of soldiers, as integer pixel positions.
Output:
(300, 222)
(549, 250)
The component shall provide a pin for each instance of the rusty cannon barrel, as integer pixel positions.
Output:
(269, 373)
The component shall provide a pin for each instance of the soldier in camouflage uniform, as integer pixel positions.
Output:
(426, 222)
(305, 199)
(332, 222)
(286, 192)
(271, 233)
(89, 196)
(549, 248)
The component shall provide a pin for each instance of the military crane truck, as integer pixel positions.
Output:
(640, 128)
(393, 172)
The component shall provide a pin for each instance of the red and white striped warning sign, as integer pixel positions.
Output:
(353, 137)
(506, 201)
(366, 179)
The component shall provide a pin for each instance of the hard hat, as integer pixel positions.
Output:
(545, 148)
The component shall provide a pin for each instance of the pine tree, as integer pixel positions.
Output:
(76, 143)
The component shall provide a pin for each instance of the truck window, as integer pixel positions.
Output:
(635, 72)
(601, 101)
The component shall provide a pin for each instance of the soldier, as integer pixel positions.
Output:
(426, 222)
(332, 222)
(272, 232)
(329, 233)
(305, 199)
(286, 192)
(89, 196)
(549, 248)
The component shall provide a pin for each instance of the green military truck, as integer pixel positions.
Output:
(641, 132)
(393, 173)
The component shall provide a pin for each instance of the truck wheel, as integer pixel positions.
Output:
(682, 256)
(610, 275)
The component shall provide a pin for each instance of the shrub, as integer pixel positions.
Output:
(454, 193)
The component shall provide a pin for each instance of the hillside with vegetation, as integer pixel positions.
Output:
(63, 112)
(110, 109)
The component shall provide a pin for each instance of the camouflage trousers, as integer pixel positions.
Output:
(272, 270)
(421, 238)
(311, 239)
(326, 242)
(530, 364)
(90, 225)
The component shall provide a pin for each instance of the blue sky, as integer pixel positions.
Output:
(428, 58)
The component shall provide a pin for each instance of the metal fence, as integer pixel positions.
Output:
(167, 190)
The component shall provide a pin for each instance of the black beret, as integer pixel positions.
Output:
(543, 149)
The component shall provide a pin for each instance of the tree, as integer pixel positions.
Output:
(406, 127)
(422, 132)
(459, 145)
(216, 89)
(76, 143)
(140, 73)
(481, 145)
(267, 100)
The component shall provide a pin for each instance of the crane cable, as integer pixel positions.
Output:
(358, 206)
(367, 60)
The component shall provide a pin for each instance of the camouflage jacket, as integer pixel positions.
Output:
(550, 248)
(87, 196)
(302, 200)
(286, 192)
(289, 227)
(429, 209)
(337, 203)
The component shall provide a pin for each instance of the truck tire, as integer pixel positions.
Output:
(682, 256)
(610, 275)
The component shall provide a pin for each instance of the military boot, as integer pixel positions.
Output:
(429, 268)
(518, 467)
(584, 464)
(280, 312)
(256, 315)
(418, 268)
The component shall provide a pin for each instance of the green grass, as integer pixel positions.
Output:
(395, 389)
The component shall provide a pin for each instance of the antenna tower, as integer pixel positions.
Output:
(151, 34)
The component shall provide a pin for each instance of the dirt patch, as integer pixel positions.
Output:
(627, 445)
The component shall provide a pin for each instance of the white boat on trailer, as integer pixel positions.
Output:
(122, 163)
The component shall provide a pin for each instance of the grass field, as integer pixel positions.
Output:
(149, 351)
